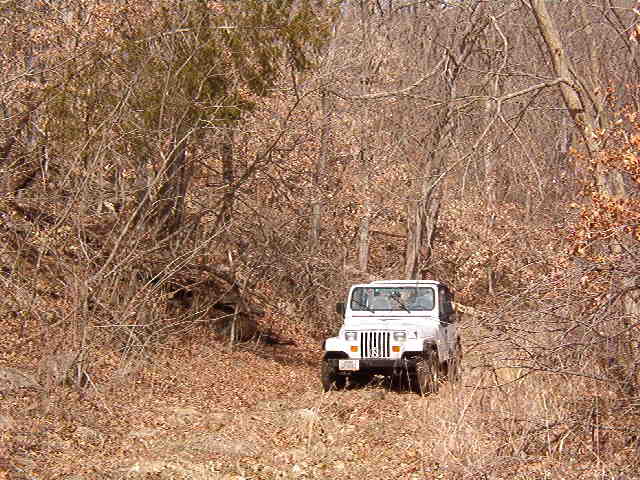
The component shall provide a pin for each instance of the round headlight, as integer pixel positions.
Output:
(399, 336)
(350, 336)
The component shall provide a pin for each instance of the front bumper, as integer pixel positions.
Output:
(378, 366)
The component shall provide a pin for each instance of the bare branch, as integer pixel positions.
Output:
(395, 93)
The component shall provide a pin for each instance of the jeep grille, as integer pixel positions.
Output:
(375, 344)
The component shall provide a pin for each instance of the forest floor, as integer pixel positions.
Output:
(194, 410)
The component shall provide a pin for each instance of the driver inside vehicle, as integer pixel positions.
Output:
(380, 302)
(422, 302)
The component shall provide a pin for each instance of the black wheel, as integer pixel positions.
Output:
(454, 366)
(427, 369)
(330, 378)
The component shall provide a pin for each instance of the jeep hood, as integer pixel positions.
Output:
(422, 323)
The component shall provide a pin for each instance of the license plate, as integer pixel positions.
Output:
(352, 365)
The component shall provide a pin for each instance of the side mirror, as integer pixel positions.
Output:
(340, 308)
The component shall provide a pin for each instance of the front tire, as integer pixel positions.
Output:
(427, 370)
(330, 378)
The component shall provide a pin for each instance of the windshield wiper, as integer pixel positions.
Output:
(363, 305)
(401, 303)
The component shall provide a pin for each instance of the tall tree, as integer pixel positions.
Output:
(576, 92)
(124, 101)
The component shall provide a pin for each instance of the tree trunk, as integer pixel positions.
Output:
(174, 189)
(490, 171)
(609, 184)
(572, 94)
(365, 162)
(316, 206)
(363, 230)
(415, 209)
(422, 217)
(161, 191)
(228, 175)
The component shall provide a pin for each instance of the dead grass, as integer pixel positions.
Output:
(192, 409)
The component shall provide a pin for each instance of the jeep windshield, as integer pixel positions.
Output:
(383, 299)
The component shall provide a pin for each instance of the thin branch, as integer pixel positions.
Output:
(533, 88)
(395, 93)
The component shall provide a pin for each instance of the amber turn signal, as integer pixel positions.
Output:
(354, 348)
(395, 348)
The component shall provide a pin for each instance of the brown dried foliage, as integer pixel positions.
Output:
(551, 377)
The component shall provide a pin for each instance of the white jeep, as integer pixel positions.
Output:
(401, 328)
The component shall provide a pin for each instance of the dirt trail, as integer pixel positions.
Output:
(266, 417)
(200, 412)
(285, 427)
(205, 414)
